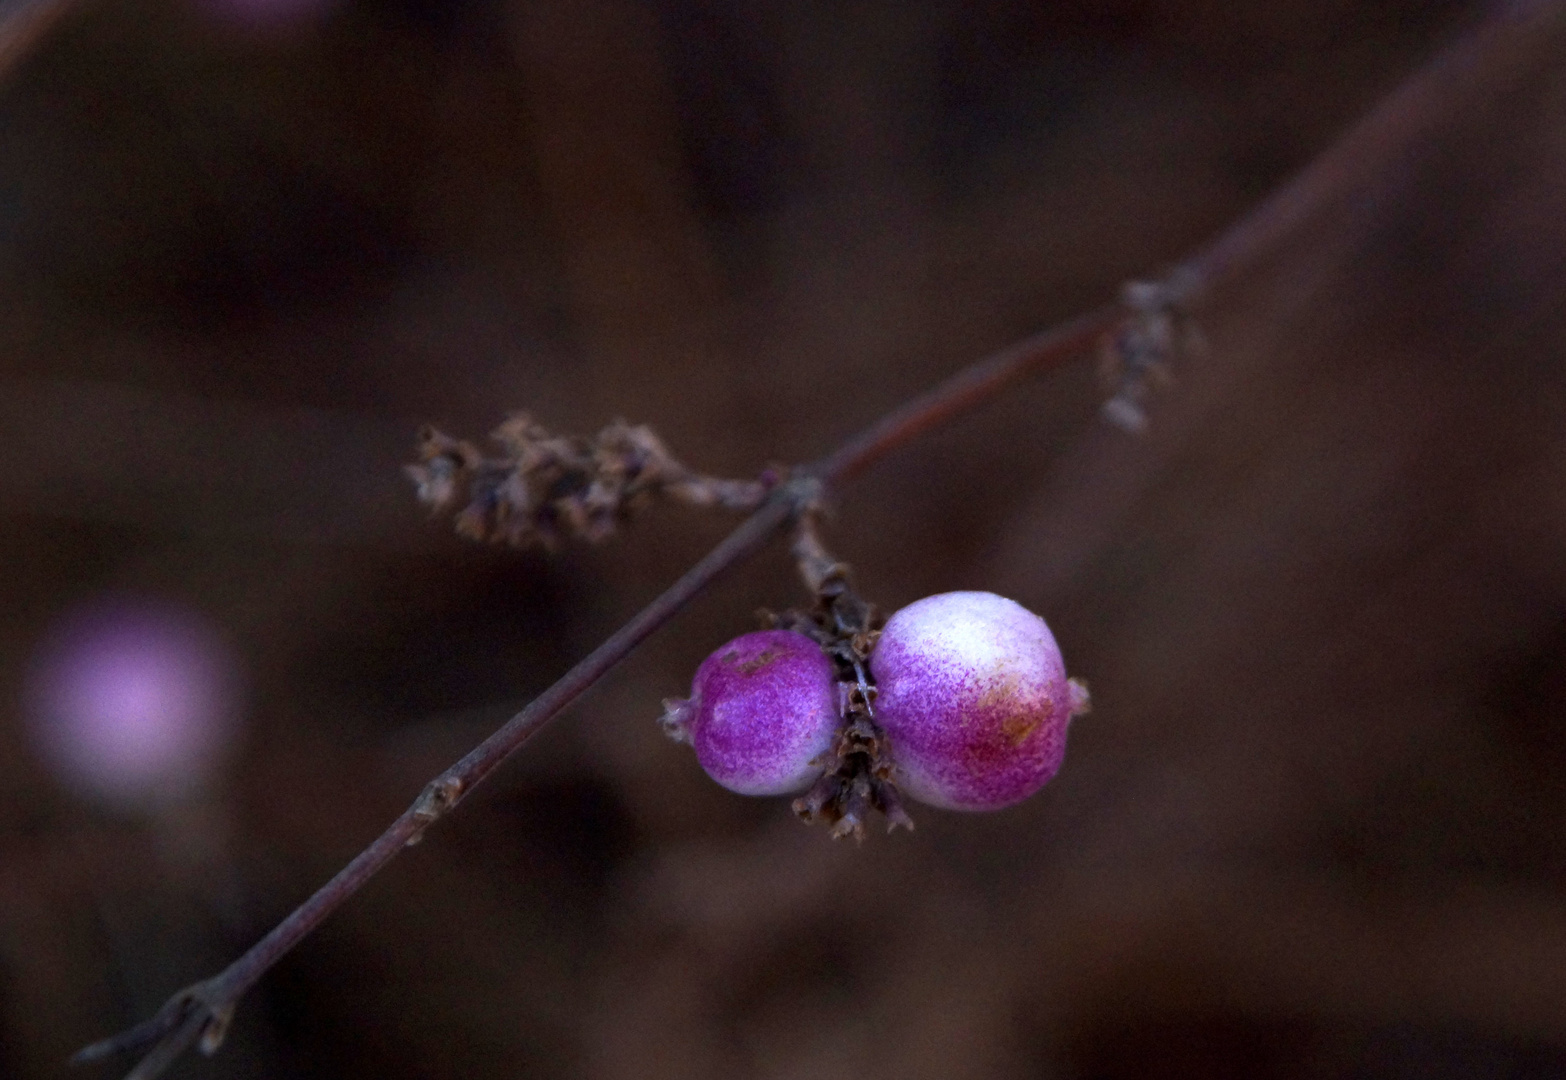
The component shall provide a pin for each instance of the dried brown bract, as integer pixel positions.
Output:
(542, 488)
(859, 776)
(857, 781)
(1138, 356)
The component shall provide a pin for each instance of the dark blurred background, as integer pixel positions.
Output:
(1316, 825)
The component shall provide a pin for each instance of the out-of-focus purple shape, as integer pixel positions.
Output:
(133, 702)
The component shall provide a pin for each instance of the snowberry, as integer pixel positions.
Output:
(762, 715)
(974, 699)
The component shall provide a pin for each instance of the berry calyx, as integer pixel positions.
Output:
(973, 697)
(762, 715)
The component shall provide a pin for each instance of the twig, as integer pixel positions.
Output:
(448, 789)
(968, 389)
(1422, 103)
(201, 1013)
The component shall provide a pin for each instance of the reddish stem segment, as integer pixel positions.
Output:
(200, 1013)
(969, 388)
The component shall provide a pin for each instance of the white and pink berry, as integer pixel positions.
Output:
(762, 715)
(973, 696)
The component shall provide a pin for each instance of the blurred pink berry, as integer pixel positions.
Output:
(762, 715)
(973, 696)
(132, 702)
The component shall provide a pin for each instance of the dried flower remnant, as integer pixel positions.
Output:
(1138, 356)
(857, 777)
(542, 488)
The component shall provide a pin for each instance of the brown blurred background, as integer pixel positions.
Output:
(1316, 825)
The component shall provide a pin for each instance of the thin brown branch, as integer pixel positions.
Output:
(445, 791)
(200, 1013)
(1496, 55)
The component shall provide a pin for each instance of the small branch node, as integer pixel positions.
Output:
(434, 803)
(199, 1016)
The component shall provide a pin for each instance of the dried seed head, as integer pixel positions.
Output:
(543, 488)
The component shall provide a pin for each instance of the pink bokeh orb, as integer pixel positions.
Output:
(133, 702)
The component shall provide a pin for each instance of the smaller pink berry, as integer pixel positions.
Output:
(973, 696)
(762, 715)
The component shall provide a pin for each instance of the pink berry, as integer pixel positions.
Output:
(762, 714)
(974, 699)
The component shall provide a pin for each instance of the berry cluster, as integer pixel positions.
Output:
(958, 701)
(963, 704)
